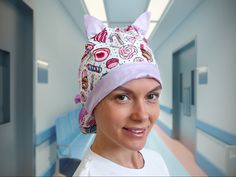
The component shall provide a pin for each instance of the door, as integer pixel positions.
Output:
(16, 89)
(184, 94)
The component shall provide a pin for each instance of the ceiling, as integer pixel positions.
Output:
(124, 12)
(119, 12)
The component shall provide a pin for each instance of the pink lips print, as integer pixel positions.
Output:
(111, 63)
(101, 54)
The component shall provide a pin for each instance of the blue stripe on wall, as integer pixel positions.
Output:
(49, 134)
(162, 125)
(51, 170)
(223, 136)
(207, 166)
(164, 128)
(166, 109)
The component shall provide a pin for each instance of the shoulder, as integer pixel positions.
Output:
(94, 165)
(84, 166)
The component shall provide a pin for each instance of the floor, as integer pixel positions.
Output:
(181, 153)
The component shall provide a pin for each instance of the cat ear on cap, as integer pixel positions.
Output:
(142, 22)
(92, 25)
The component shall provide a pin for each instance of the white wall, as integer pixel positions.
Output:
(212, 24)
(58, 42)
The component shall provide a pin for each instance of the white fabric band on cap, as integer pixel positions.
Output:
(119, 76)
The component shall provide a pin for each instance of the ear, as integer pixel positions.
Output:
(92, 25)
(142, 22)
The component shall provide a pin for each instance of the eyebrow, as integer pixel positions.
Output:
(122, 88)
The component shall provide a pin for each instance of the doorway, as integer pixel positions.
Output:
(184, 95)
(16, 89)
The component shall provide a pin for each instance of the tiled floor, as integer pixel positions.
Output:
(181, 153)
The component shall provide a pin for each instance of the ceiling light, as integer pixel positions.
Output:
(96, 9)
(157, 7)
(150, 29)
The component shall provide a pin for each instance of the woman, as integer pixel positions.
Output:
(120, 86)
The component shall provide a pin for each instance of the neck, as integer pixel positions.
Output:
(122, 156)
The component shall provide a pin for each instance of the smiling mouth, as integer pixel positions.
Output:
(135, 131)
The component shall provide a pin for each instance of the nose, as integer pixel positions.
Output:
(139, 111)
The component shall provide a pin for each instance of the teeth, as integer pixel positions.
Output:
(135, 130)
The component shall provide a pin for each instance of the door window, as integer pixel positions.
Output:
(4, 87)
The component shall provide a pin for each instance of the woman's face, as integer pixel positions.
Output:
(125, 117)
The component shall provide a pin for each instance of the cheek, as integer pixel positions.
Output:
(106, 117)
(155, 113)
(107, 124)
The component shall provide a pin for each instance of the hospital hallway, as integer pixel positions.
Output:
(42, 43)
(179, 158)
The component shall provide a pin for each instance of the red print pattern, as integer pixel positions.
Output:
(101, 37)
(128, 51)
(101, 54)
(146, 53)
(117, 38)
(111, 63)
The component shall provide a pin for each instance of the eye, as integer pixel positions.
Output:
(153, 96)
(122, 97)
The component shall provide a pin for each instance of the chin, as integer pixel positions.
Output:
(137, 146)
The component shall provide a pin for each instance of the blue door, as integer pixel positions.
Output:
(184, 94)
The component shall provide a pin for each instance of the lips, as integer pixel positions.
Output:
(101, 54)
(135, 131)
(111, 63)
